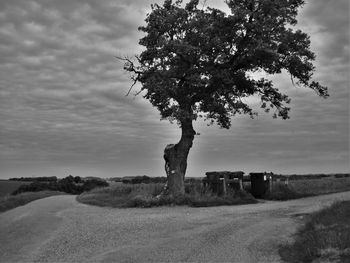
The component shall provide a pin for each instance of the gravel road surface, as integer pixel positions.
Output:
(59, 229)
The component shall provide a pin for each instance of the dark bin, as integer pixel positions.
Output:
(259, 184)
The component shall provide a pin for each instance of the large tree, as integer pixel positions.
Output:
(200, 62)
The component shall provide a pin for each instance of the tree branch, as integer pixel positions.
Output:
(129, 66)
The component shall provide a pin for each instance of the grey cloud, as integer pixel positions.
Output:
(328, 22)
(62, 95)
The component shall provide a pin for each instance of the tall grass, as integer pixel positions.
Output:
(282, 192)
(149, 195)
(10, 201)
(325, 237)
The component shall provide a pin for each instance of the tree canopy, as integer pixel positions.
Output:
(198, 61)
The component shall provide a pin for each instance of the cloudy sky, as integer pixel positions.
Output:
(63, 108)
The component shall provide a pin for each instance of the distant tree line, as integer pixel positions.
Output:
(315, 176)
(37, 179)
(341, 175)
(69, 184)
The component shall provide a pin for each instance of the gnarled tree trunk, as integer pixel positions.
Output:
(175, 156)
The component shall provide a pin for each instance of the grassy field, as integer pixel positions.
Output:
(324, 238)
(12, 201)
(308, 187)
(147, 195)
(7, 187)
(321, 186)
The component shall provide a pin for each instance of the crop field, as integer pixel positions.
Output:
(7, 186)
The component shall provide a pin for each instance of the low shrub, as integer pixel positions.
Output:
(70, 185)
(324, 238)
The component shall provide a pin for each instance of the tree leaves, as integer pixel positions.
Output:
(196, 61)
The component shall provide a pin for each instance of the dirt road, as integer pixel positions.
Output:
(59, 229)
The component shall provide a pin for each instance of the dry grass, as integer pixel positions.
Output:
(147, 195)
(324, 238)
(12, 201)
